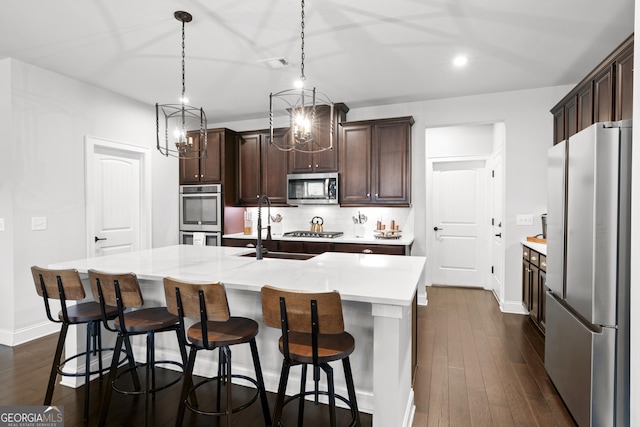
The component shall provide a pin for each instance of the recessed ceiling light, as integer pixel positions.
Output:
(460, 61)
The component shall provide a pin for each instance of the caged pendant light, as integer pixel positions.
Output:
(173, 121)
(302, 104)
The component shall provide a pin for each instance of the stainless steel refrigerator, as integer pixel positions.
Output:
(587, 306)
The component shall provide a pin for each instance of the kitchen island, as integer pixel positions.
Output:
(378, 293)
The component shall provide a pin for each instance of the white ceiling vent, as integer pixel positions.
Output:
(276, 62)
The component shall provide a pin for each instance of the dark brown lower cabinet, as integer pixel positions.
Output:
(534, 277)
(310, 247)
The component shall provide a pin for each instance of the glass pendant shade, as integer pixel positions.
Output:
(301, 105)
(174, 122)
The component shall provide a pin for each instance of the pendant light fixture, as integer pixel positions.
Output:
(302, 105)
(173, 121)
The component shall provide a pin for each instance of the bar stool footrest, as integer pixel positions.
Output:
(150, 391)
(239, 408)
(322, 393)
(94, 372)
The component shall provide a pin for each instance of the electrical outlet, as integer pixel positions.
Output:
(39, 223)
(524, 219)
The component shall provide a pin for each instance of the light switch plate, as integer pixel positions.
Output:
(524, 219)
(39, 223)
(1, 224)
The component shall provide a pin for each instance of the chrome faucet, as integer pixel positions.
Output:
(259, 242)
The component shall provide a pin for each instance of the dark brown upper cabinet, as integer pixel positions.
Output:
(605, 94)
(324, 161)
(262, 168)
(624, 85)
(375, 162)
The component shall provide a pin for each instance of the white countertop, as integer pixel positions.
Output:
(538, 247)
(405, 240)
(371, 278)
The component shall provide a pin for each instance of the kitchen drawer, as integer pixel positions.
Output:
(525, 252)
(271, 245)
(534, 258)
(369, 249)
(543, 262)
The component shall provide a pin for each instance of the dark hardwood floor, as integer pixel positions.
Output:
(476, 367)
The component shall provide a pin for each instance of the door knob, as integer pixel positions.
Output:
(499, 235)
(96, 238)
(436, 228)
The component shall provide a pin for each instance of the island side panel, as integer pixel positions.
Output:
(392, 366)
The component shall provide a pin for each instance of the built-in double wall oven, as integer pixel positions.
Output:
(201, 214)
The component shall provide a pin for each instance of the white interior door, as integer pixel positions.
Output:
(497, 204)
(459, 204)
(118, 198)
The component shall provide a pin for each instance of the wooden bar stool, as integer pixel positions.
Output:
(214, 329)
(312, 334)
(66, 285)
(122, 291)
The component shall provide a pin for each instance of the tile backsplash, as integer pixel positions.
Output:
(338, 218)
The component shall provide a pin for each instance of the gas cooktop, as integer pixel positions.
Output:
(315, 234)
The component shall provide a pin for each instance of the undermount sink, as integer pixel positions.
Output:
(281, 255)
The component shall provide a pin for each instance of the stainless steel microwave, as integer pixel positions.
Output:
(312, 189)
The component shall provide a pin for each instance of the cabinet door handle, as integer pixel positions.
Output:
(367, 251)
(316, 165)
(436, 228)
(368, 195)
(376, 195)
(96, 238)
(499, 235)
(250, 245)
(195, 176)
(309, 166)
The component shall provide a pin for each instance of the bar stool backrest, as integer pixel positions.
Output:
(69, 279)
(298, 310)
(131, 296)
(62, 284)
(214, 298)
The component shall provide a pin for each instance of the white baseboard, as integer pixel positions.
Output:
(514, 307)
(21, 336)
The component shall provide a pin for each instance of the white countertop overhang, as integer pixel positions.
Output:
(370, 278)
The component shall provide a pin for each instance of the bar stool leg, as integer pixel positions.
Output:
(284, 377)
(260, 380)
(132, 363)
(186, 385)
(149, 376)
(227, 356)
(89, 347)
(106, 399)
(301, 399)
(54, 366)
(332, 394)
(351, 390)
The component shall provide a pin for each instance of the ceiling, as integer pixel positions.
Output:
(360, 52)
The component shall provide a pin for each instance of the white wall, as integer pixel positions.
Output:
(529, 133)
(6, 199)
(457, 141)
(51, 115)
